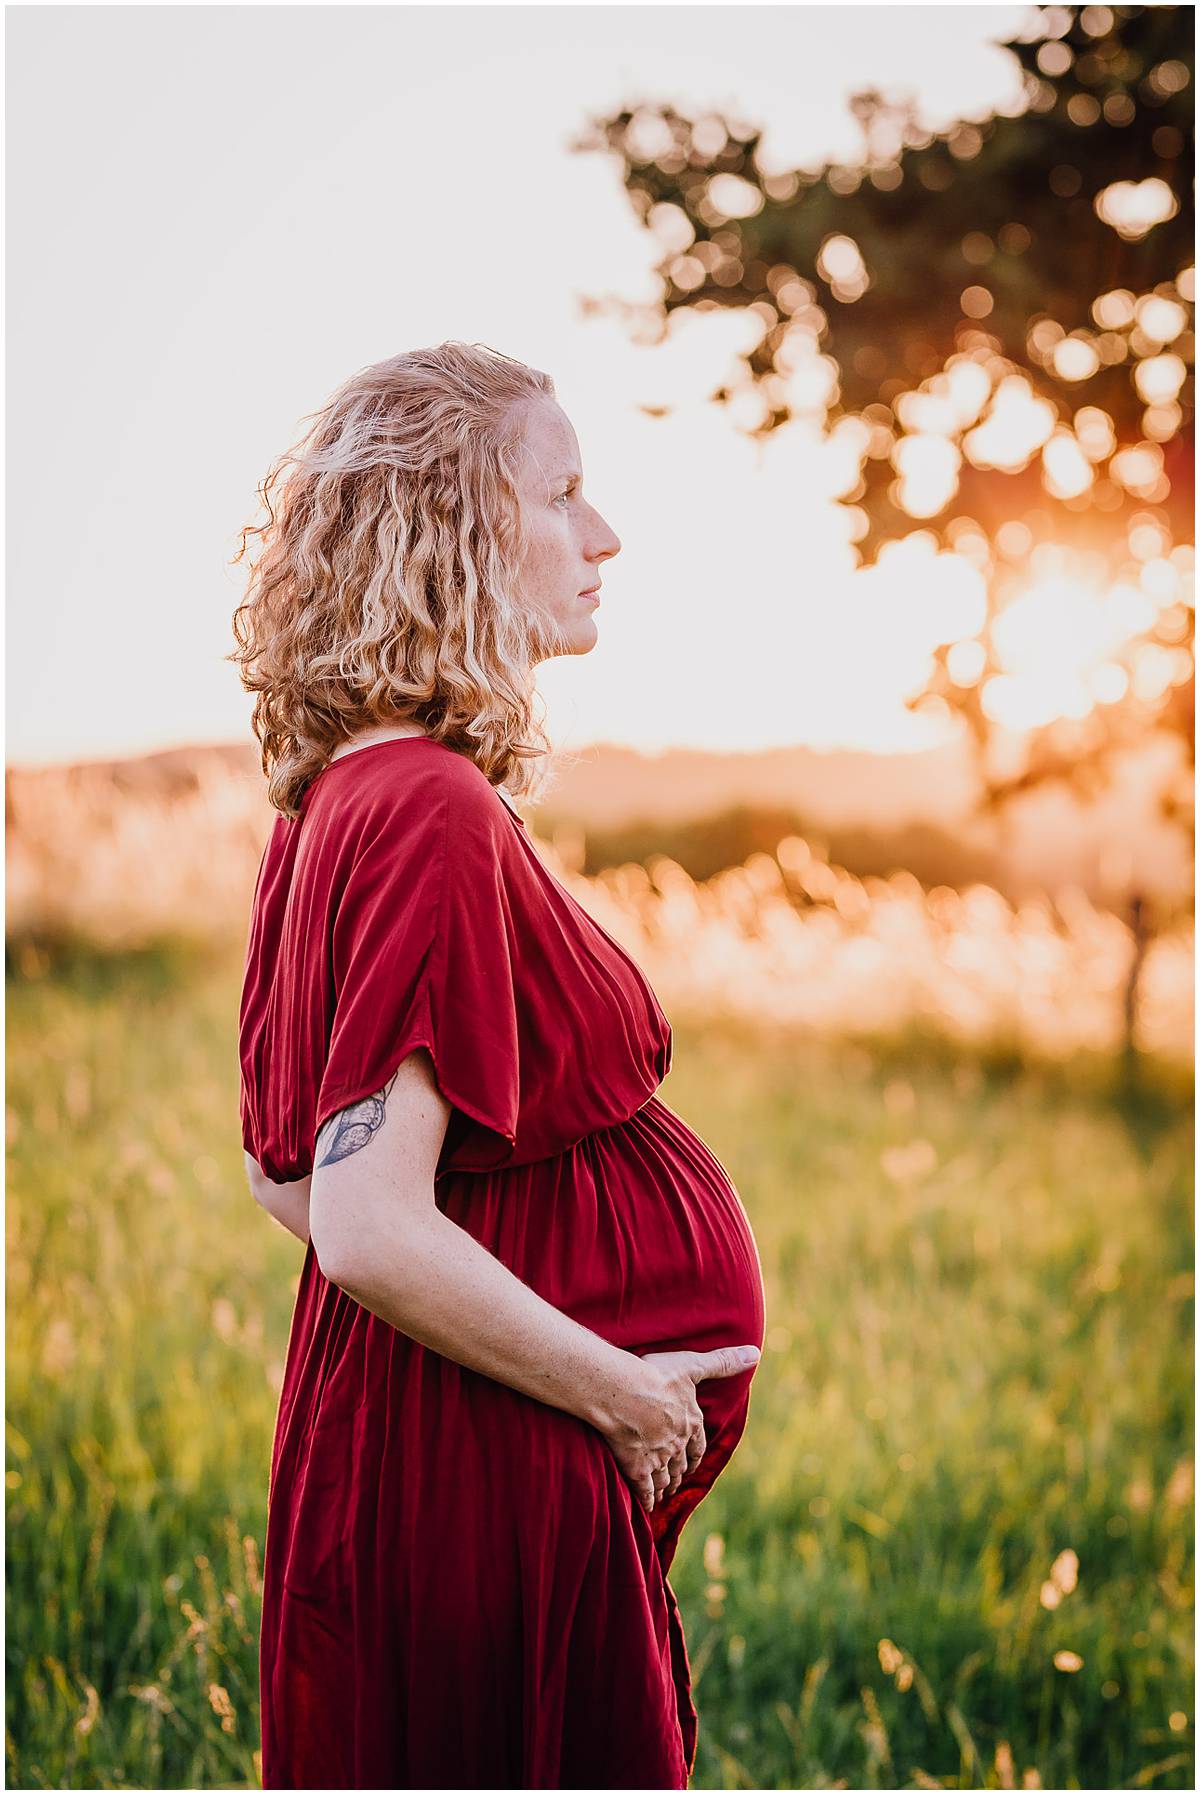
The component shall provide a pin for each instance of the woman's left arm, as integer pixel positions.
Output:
(288, 1203)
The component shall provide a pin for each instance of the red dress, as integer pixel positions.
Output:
(460, 1588)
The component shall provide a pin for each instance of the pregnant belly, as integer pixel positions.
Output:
(636, 1231)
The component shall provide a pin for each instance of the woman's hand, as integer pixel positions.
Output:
(656, 1429)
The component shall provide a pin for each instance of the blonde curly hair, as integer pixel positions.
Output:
(388, 586)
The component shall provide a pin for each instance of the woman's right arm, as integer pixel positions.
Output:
(378, 1234)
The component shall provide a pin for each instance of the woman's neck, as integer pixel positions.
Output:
(383, 733)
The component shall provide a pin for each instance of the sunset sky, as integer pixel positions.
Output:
(217, 214)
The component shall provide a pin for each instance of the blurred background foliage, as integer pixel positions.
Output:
(953, 1551)
(998, 324)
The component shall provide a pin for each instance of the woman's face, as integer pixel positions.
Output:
(567, 538)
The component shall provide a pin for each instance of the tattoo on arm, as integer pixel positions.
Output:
(354, 1126)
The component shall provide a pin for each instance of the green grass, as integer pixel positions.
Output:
(979, 1355)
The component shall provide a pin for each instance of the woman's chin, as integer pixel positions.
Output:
(578, 637)
(584, 636)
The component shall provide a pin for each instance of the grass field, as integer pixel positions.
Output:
(954, 1550)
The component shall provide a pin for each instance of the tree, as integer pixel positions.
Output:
(1000, 319)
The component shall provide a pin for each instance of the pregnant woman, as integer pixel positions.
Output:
(531, 1302)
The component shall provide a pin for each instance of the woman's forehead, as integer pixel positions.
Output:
(550, 443)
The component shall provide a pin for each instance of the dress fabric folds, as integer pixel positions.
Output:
(460, 1590)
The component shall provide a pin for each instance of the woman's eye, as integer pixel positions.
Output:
(563, 495)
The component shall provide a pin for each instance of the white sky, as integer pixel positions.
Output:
(216, 214)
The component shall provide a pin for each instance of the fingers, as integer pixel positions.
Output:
(665, 1479)
(697, 1446)
(725, 1361)
(660, 1477)
(681, 1464)
(676, 1469)
(655, 1485)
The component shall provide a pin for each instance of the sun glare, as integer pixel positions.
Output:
(1062, 646)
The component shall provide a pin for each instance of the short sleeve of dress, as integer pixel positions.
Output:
(420, 956)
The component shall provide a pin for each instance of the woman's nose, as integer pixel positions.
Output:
(609, 543)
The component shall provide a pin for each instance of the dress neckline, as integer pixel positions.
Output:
(393, 741)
